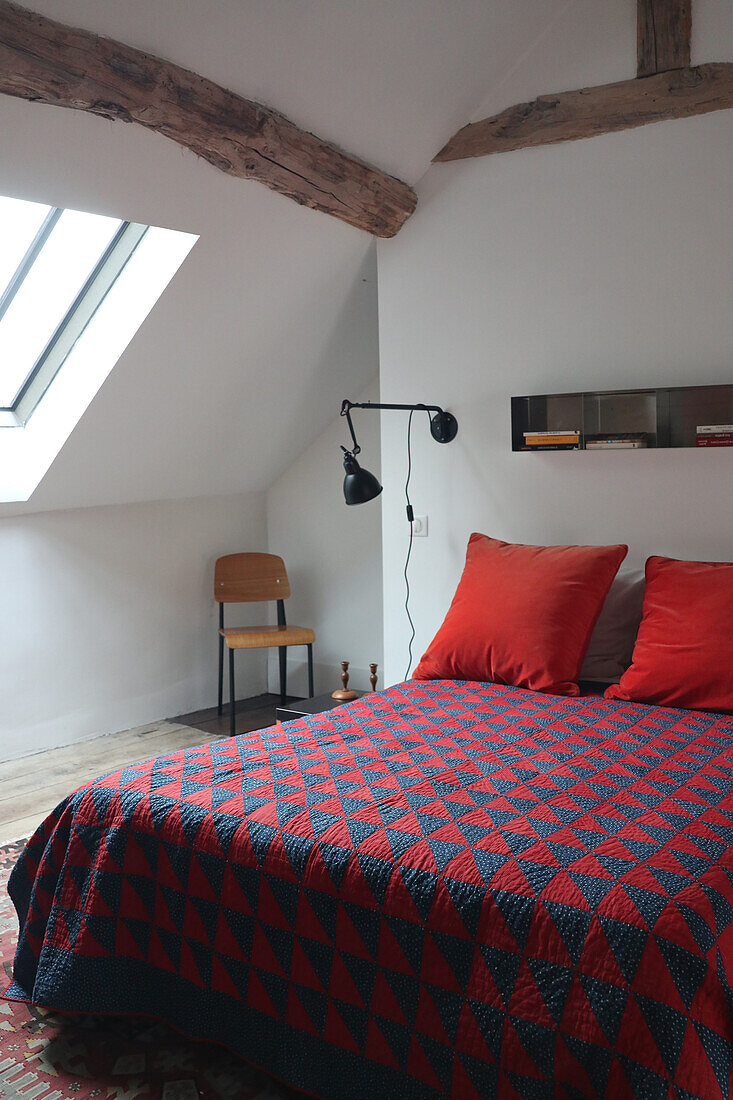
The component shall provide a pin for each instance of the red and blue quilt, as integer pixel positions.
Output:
(444, 889)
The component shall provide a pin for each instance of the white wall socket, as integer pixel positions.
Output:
(420, 527)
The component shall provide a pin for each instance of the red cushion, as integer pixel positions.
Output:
(522, 615)
(683, 655)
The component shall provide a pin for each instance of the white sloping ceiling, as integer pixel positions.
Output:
(273, 317)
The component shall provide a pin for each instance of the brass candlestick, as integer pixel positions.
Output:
(343, 694)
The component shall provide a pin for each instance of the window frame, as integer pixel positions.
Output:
(71, 327)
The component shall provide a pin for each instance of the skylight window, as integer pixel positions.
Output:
(74, 289)
(60, 262)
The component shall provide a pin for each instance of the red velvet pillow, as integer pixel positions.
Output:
(683, 655)
(522, 615)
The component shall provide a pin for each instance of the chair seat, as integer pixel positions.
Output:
(266, 637)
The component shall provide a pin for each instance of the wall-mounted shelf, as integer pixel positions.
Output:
(621, 419)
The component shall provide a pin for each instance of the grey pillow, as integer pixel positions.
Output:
(612, 641)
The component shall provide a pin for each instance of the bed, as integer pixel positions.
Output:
(447, 888)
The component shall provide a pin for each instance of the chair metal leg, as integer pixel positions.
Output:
(220, 703)
(283, 654)
(231, 693)
(310, 672)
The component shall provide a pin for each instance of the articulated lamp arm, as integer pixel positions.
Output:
(360, 485)
(443, 425)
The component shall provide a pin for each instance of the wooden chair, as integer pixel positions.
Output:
(255, 578)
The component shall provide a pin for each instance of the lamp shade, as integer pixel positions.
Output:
(359, 485)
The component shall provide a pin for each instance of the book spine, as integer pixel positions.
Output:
(714, 429)
(550, 440)
(616, 445)
(712, 441)
(552, 431)
(552, 447)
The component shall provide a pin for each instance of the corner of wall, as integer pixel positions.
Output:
(333, 556)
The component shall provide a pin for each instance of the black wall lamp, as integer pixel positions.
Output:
(361, 486)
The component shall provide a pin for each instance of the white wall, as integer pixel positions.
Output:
(333, 554)
(603, 263)
(107, 617)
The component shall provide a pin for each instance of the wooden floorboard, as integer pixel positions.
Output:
(90, 751)
(32, 786)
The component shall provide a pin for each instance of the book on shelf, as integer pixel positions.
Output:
(552, 431)
(714, 435)
(617, 441)
(551, 446)
(615, 445)
(552, 439)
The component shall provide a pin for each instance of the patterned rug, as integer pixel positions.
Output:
(50, 1056)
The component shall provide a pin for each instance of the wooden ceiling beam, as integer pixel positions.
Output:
(666, 87)
(663, 29)
(570, 116)
(48, 62)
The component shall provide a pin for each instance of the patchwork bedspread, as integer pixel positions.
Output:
(443, 889)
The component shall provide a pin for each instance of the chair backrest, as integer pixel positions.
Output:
(250, 578)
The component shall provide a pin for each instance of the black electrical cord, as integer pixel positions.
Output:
(410, 517)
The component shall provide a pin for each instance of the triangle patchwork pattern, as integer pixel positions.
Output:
(466, 889)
